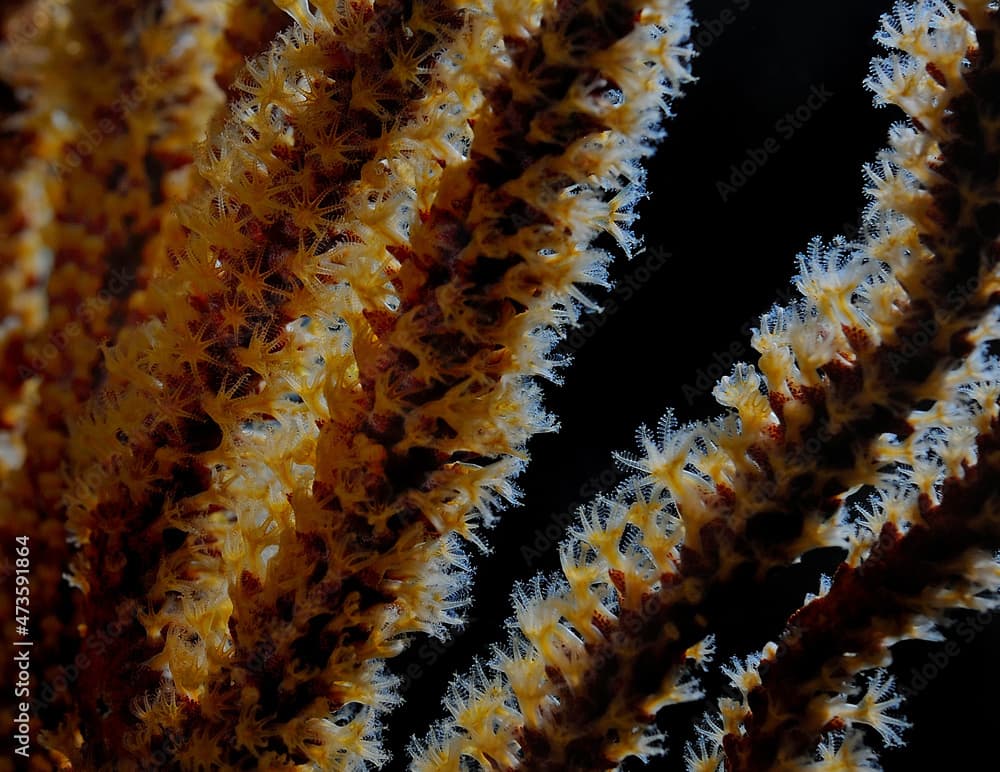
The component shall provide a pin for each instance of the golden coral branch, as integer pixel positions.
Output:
(317, 285)
(101, 165)
(654, 567)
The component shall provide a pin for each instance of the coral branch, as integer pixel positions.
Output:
(654, 567)
(334, 275)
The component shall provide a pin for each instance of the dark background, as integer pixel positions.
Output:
(728, 262)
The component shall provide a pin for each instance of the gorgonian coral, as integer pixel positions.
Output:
(273, 335)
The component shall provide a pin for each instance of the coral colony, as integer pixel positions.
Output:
(279, 282)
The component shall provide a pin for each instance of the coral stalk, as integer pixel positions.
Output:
(364, 259)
